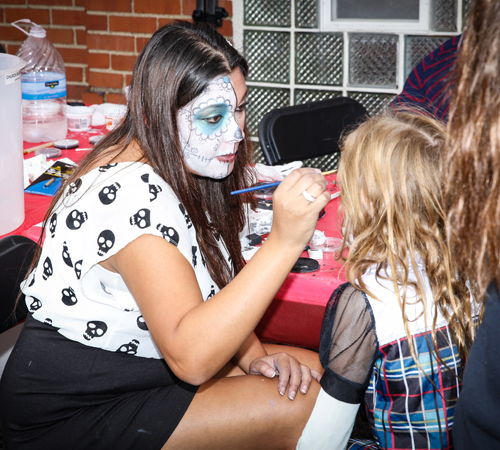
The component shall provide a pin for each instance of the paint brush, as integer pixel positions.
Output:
(32, 149)
(270, 185)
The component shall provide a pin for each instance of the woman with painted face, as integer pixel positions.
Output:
(141, 305)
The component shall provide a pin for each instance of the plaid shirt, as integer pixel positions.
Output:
(408, 408)
(366, 355)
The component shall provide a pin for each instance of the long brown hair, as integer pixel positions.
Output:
(390, 175)
(472, 164)
(174, 67)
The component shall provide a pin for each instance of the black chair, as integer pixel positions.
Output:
(307, 131)
(16, 255)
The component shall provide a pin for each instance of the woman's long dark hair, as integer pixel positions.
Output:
(174, 68)
(472, 175)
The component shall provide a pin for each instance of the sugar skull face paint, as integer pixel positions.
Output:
(210, 127)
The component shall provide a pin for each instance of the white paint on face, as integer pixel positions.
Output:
(210, 128)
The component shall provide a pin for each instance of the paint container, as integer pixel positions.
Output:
(315, 254)
(113, 114)
(79, 118)
(50, 152)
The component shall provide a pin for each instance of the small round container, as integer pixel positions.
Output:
(79, 118)
(331, 245)
(113, 114)
(49, 152)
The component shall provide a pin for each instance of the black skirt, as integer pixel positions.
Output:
(59, 394)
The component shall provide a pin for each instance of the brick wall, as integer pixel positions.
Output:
(99, 40)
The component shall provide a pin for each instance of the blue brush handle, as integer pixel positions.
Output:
(256, 188)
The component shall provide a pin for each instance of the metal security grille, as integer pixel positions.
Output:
(293, 62)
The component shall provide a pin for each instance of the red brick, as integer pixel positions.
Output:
(128, 79)
(10, 33)
(227, 5)
(81, 37)
(60, 36)
(132, 24)
(188, 6)
(227, 28)
(16, 2)
(51, 2)
(12, 49)
(75, 92)
(116, 98)
(123, 62)
(108, 42)
(68, 17)
(98, 60)
(92, 98)
(80, 2)
(109, 5)
(96, 22)
(74, 74)
(39, 16)
(140, 42)
(163, 22)
(104, 80)
(157, 7)
(74, 55)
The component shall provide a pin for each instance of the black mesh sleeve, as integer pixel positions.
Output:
(349, 346)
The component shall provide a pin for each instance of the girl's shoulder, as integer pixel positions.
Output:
(348, 313)
(347, 296)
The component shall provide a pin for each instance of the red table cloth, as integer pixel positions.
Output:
(295, 315)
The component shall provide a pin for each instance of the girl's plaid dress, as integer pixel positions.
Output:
(367, 359)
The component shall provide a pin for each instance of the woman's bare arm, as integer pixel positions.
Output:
(197, 338)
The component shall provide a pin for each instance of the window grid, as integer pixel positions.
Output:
(299, 15)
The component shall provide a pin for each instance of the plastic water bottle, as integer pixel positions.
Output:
(43, 85)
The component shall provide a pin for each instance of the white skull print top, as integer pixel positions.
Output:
(97, 216)
(208, 130)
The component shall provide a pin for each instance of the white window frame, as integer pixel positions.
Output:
(361, 27)
(423, 25)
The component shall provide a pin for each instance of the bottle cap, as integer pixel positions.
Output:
(35, 31)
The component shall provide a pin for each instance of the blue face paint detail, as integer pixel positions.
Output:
(238, 134)
(211, 119)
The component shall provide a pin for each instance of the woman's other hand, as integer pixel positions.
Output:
(289, 370)
(295, 217)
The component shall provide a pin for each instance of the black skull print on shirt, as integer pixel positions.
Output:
(99, 214)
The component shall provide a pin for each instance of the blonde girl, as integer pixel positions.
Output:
(390, 336)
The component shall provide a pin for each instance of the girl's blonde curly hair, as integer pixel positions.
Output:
(392, 203)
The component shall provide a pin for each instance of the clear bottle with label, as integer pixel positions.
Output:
(43, 85)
